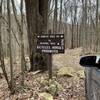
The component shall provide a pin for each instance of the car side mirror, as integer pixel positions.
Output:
(90, 61)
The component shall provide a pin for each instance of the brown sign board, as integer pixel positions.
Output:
(50, 43)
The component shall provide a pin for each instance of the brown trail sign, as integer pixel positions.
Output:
(50, 44)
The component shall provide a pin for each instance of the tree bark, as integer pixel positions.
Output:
(10, 47)
(36, 14)
(55, 18)
(60, 17)
(1, 50)
(22, 46)
(97, 24)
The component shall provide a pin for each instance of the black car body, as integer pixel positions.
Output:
(92, 76)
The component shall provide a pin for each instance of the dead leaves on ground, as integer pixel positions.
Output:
(39, 87)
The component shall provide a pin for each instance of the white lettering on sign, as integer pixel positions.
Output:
(57, 36)
(44, 36)
(44, 43)
(50, 51)
(62, 42)
(52, 36)
(56, 47)
(43, 47)
(52, 43)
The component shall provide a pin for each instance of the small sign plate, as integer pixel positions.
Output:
(50, 43)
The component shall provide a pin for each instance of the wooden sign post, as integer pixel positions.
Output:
(50, 44)
(50, 66)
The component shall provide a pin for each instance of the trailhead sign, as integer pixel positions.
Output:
(50, 43)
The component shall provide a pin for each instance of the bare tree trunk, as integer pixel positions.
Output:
(31, 22)
(20, 27)
(36, 14)
(84, 25)
(22, 46)
(66, 27)
(55, 17)
(10, 48)
(60, 17)
(72, 28)
(1, 49)
(96, 28)
(75, 24)
(77, 44)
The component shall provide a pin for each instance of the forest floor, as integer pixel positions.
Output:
(71, 82)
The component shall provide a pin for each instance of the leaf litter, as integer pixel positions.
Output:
(39, 87)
